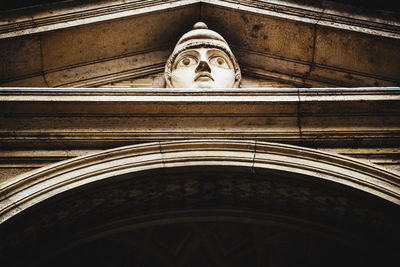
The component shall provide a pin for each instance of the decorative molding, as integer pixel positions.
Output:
(323, 16)
(366, 93)
(304, 74)
(74, 16)
(22, 159)
(29, 189)
(102, 71)
(115, 77)
(51, 119)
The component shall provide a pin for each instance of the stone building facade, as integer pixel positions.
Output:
(101, 164)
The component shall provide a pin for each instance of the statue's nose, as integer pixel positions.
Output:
(203, 66)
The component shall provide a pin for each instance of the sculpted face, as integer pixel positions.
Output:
(202, 68)
(202, 59)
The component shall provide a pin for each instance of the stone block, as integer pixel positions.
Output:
(19, 57)
(116, 38)
(261, 33)
(36, 81)
(371, 55)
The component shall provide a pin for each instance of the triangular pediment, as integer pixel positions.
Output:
(71, 45)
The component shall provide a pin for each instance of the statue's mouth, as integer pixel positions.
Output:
(203, 76)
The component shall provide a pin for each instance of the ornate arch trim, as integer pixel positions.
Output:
(31, 188)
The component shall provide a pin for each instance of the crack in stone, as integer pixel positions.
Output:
(254, 156)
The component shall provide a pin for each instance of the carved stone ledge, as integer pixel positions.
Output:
(96, 119)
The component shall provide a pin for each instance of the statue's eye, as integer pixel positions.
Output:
(186, 62)
(220, 62)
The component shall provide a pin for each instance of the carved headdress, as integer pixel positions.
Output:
(201, 36)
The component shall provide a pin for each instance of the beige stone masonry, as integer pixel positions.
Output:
(38, 124)
(93, 45)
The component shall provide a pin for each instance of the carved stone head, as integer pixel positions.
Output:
(202, 59)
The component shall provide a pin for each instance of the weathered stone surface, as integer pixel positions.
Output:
(92, 119)
(312, 46)
(359, 53)
(11, 171)
(105, 40)
(91, 75)
(20, 57)
(260, 33)
(157, 81)
(36, 81)
(272, 64)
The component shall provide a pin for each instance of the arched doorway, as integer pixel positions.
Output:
(202, 203)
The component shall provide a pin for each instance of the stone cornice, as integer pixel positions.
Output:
(29, 21)
(80, 15)
(25, 94)
(316, 15)
(366, 117)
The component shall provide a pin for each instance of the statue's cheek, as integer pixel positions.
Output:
(224, 74)
(182, 78)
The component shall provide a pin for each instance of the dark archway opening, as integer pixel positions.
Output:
(205, 216)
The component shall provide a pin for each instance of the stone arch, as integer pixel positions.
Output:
(31, 188)
(223, 181)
